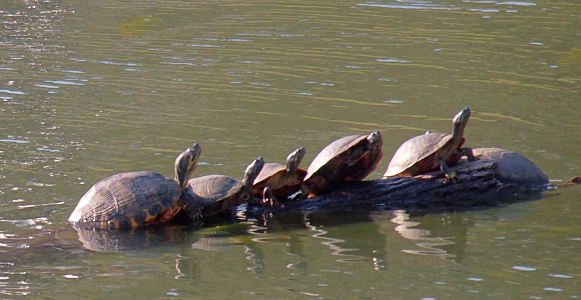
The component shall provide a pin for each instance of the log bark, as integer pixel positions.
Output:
(476, 186)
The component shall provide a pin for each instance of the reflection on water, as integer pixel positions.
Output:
(422, 237)
(130, 240)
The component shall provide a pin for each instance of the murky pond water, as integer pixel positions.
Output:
(90, 89)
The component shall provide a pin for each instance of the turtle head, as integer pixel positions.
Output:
(460, 121)
(252, 172)
(293, 160)
(375, 141)
(250, 175)
(461, 118)
(186, 163)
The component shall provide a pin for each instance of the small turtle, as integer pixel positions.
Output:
(432, 150)
(282, 181)
(136, 199)
(219, 194)
(514, 168)
(350, 158)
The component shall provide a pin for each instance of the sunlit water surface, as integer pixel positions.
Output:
(90, 89)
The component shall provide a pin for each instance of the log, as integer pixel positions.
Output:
(477, 186)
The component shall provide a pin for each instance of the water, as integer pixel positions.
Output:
(89, 90)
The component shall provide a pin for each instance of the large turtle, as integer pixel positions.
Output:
(219, 194)
(514, 168)
(350, 158)
(277, 181)
(136, 199)
(431, 151)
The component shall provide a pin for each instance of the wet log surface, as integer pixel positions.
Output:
(475, 187)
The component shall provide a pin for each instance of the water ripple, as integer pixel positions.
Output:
(48, 86)
(523, 268)
(429, 7)
(106, 62)
(394, 60)
(65, 82)
(518, 3)
(178, 63)
(203, 45)
(14, 141)
(560, 276)
(74, 71)
(13, 92)
(223, 40)
(474, 279)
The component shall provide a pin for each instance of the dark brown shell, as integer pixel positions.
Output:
(347, 159)
(419, 152)
(215, 193)
(422, 153)
(127, 200)
(268, 171)
(278, 177)
(218, 194)
(337, 150)
(136, 199)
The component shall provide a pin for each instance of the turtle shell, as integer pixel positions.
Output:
(270, 170)
(513, 167)
(422, 153)
(218, 194)
(128, 200)
(136, 199)
(282, 180)
(350, 158)
(277, 176)
(417, 155)
(215, 193)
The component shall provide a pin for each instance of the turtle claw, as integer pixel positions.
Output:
(449, 174)
(451, 177)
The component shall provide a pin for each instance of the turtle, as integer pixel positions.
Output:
(350, 158)
(218, 194)
(282, 181)
(141, 198)
(512, 167)
(432, 150)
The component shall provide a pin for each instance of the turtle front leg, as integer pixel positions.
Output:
(305, 191)
(192, 209)
(450, 175)
(268, 196)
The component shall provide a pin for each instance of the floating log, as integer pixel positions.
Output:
(477, 186)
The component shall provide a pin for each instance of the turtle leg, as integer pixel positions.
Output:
(193, 210)
(451, 175)
(268, 196)
(468, 153)
(305, 191)
(190, 211)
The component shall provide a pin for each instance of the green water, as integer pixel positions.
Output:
(89, 89)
